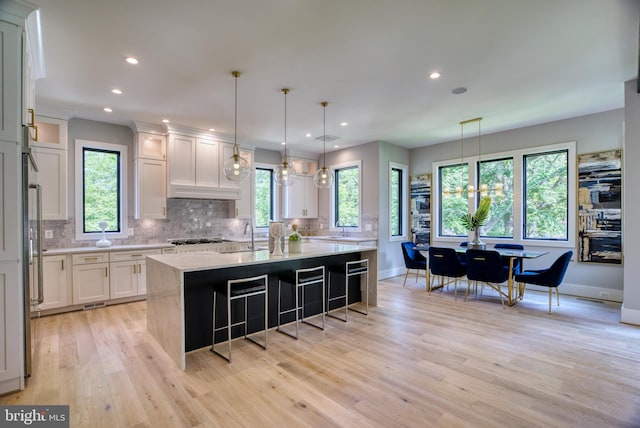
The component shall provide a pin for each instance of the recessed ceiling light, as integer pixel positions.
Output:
(434, 75)
(107, 109)
(116, 91)
(284, 143)
(132, 60)
(458, 91)
(344, 123)
(212, 129)
(336, 146)
(165, 120)
(308, 135)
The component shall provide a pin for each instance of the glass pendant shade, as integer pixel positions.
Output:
(323, 178)
(236, 168)
(285, 174)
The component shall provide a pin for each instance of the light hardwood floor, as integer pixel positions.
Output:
(416, 360)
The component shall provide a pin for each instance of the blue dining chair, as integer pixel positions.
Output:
(517, 265)
(444, 263)
(413, 259)
(551, 277)
(487, 267)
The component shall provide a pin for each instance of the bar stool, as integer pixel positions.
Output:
(241, 289)
(354, 268)
(301, 279)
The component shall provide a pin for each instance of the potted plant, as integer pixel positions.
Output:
(295, 240)
(473, 223)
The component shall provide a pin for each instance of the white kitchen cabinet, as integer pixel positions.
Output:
(52, 177)
(304, 166)
(300, 199)
(150, 146)
(150, 189)
(10, 204)
(11, 331)
(90, 278)
(55, 282)
(10, 78)
(128, 273)
(244, 205)
(51, 133)
(207, 163)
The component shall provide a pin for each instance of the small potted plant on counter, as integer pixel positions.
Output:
(295, 240)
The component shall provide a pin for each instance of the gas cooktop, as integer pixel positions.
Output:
(191, 241)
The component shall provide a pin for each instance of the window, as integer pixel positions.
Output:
(496, 180)
(100, 189)
(453, 181)
(546, 196)
(530, 192)
(346, 195)
(265, 197)
(398, 182)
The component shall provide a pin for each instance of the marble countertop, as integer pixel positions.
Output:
(340, 238)
(189, 262)
(133, 247)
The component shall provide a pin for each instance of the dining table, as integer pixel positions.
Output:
(513, 295)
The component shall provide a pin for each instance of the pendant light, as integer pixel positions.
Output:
(285, 174)
(236, 168)
(323, 178)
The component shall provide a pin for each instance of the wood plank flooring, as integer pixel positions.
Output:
(415, 361)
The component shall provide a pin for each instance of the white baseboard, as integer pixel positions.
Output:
(630, 316)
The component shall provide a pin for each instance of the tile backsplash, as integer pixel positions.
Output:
(189, 218)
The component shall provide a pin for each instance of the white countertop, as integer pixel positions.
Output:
(189, 262)
(59, 251)
(340, 238)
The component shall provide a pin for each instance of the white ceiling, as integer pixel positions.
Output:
(523, 62)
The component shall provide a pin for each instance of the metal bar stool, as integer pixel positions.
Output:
(301, 279)
(354, 268)
(241, 289)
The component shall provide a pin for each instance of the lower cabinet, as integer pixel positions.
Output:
(90, 278)
(56, 282)
(128, 273)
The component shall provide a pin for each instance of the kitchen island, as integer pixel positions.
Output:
(180, 289)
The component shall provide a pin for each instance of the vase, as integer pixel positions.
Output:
(295, 246)
(476, 244)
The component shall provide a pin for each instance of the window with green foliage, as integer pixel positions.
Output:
(264, 197)
(346, 203)
(398, 182)
(496, 181)
(530, 190)
(546, 196)
(101, 183)
(453, 181)
(100, 190)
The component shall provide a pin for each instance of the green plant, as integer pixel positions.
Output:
(295, 236)
(471, 222)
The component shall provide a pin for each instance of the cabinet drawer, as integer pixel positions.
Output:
(123, 256)
(83, 259)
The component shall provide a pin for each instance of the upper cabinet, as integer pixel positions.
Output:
(49, 132)
(304, 166)
(150, 166)
(195, 166)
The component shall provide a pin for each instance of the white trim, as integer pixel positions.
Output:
(517, 156)
(630, 316)
(124, 212)
(404, 198)
(276, 193)
(333, 168)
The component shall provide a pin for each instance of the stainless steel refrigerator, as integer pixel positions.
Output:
(32, 246)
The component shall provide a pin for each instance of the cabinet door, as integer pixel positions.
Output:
(207, 163)
(182, 160)
(150, 189)
(10, 204)
(151, 146)
(142, 277)
(10, 78)
(11, 329)
(55, 286)
(310, 193)
(293, 200)
(124, 279)
(52, 177)
(90, 283)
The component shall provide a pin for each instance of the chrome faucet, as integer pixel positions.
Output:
(248, 224)
(342, 226)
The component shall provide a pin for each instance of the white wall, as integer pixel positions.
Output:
(595, 132)
(631, 304)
